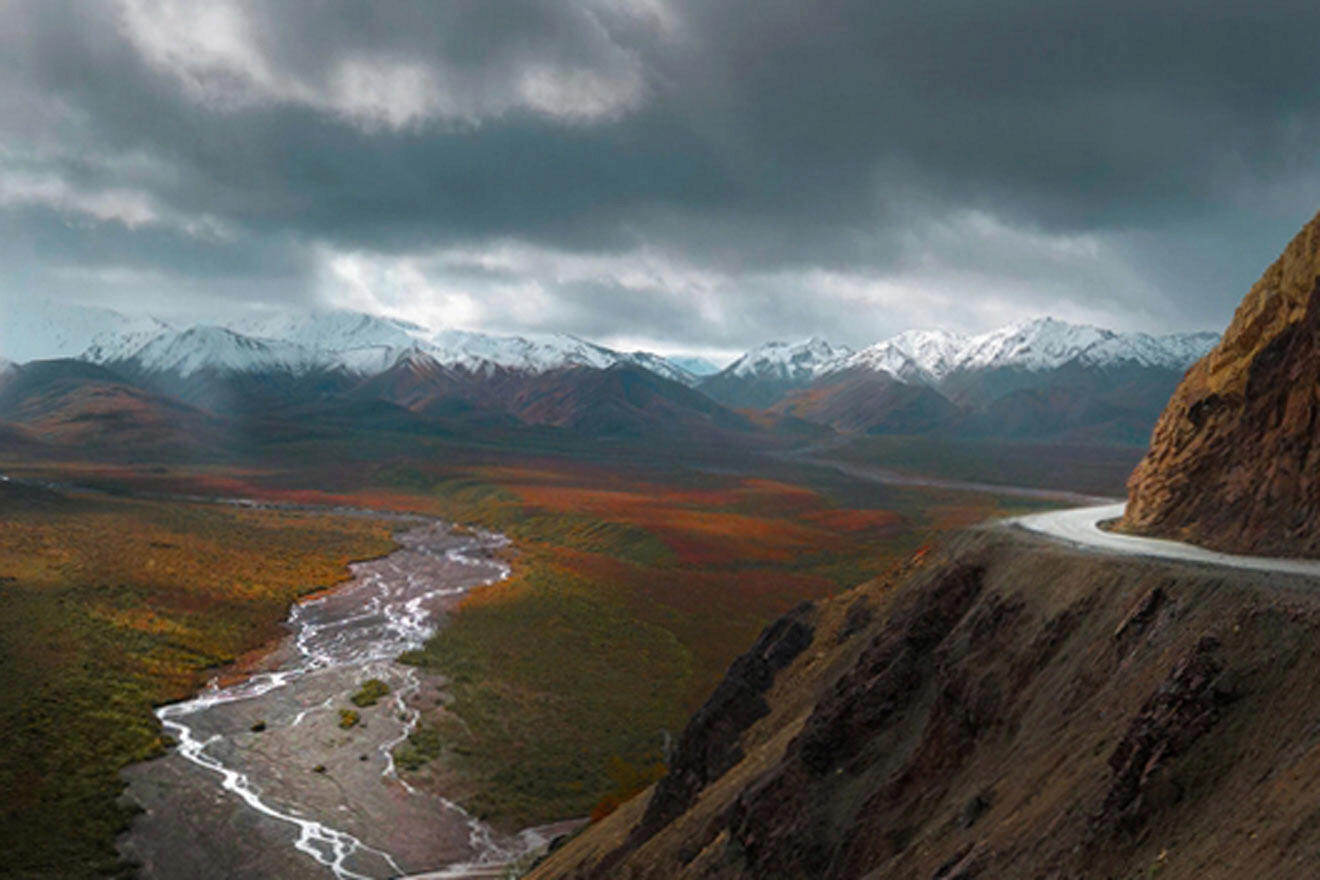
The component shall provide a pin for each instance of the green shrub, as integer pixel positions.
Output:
(423, 745)
(372, 690)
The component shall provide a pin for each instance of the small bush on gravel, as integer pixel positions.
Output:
(372, 690)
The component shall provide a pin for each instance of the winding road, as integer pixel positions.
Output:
(1081, 527)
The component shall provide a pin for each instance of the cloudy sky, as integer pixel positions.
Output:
(684, 175)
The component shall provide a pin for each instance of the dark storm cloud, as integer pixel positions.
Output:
(690, 172)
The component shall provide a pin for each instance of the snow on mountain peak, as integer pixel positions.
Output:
(1038, 344)
(341, 340)
(219, 348)
(369, 344)
(787, 361)
(1035, 345)
(661, 366)
(332, 331)
(913, 356)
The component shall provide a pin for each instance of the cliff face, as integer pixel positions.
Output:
(1004, 708)
(1233, 462)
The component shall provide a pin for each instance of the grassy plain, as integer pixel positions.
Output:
(1097, 470)
(636, 581)
(114, 605)
(633, 590)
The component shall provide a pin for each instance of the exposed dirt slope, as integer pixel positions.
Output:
(1006, 707)
(1234, 462)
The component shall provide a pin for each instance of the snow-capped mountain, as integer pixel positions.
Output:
(1035, 378)
(1032, 346)
(1036, 345)
(1175, 351)
(935, 352)
(932, 356)
(351, 342)
(34, 329)
(766, 373)
(332, 330)
(786, 361)
(883, 357)
(662, 366)
(369, 344)
(186, 352)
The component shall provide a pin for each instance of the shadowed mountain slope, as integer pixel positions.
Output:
(623, 401)
(1005, 707)
(860, 401)
(74, 403)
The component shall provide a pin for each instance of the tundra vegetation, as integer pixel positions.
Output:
(113, 606)
(633, 587)
(631, 593)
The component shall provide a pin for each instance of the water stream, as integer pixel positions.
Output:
(350, 811)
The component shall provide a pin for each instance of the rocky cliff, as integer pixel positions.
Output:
(1234, 462)
(1005, 707)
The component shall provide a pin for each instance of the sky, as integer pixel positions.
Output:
(678, 175)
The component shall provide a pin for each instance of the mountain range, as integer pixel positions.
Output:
(943, 360)
(1040, 380)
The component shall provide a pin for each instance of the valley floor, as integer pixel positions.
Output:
(662, 571)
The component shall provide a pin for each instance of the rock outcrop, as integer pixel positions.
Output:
(1234, 462)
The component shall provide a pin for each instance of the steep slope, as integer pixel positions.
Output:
(1235, 457)
(624, 401)
(1110, 405)
(870, 402)
(72, 403)
(1005, 707)
(661, 366)
(919, 356)
(414, 380)
(218, 349)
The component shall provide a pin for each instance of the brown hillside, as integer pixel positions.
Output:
(1234, 462)
(1008, 708)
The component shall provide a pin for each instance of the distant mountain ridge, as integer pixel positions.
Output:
(933, 356)
(1038, 379)
(1043, 379)
(366, 344)
(355, 343)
